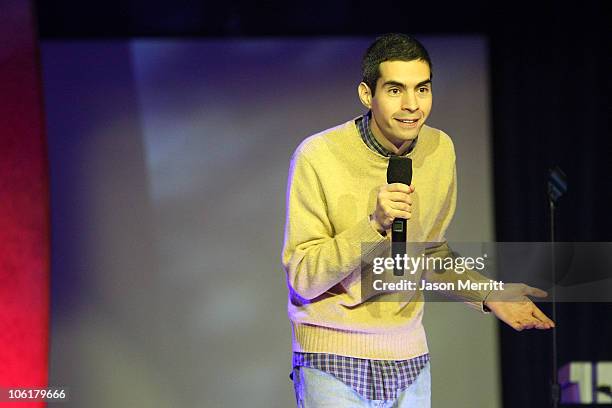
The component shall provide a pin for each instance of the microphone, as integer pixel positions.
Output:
(399, 171)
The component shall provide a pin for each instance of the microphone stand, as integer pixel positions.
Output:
(557, 186)
(555, 387)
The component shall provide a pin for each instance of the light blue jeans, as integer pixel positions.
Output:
(317, 389)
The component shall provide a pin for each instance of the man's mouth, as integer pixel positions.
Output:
(408, 121)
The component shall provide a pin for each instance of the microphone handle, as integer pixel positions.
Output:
(398, 243)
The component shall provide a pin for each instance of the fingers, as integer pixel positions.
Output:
(518, 325)
(546, 322)
(397, 209)
(535, 292)
(393, 202)
(523, 324)
(400, 187)
(390, 214)
(536, 320)
(397, 197)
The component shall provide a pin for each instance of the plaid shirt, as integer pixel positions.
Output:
(372, 379)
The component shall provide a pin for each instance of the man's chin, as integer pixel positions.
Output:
(407, 135)
(404, 138)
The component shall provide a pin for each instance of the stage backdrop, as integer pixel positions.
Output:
(169, 161)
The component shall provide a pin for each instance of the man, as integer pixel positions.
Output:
(350, 351)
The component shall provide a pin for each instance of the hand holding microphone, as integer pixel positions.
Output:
(394, 205)
(392, 201)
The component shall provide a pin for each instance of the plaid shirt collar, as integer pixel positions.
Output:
(365, 131)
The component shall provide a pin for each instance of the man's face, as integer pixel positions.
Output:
(402, 101)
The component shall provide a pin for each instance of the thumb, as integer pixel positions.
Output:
(531, 291)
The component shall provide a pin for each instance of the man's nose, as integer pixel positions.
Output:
(410, 102)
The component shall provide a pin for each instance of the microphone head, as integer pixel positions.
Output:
(399, 170)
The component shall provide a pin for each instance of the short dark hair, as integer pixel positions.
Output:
(390, 47)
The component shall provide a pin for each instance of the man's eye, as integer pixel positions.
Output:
(394, 91)
(423, 89)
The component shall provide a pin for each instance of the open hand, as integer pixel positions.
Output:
(512, 306)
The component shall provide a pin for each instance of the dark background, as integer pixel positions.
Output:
(550, 66)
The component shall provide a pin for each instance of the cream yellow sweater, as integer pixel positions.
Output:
(330, 194)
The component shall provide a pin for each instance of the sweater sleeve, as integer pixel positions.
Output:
(314, 257)
(472, 298)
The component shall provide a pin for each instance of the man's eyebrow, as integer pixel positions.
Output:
(394, 83)
(403, 86)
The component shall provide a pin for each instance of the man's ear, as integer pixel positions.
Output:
(365, 96)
